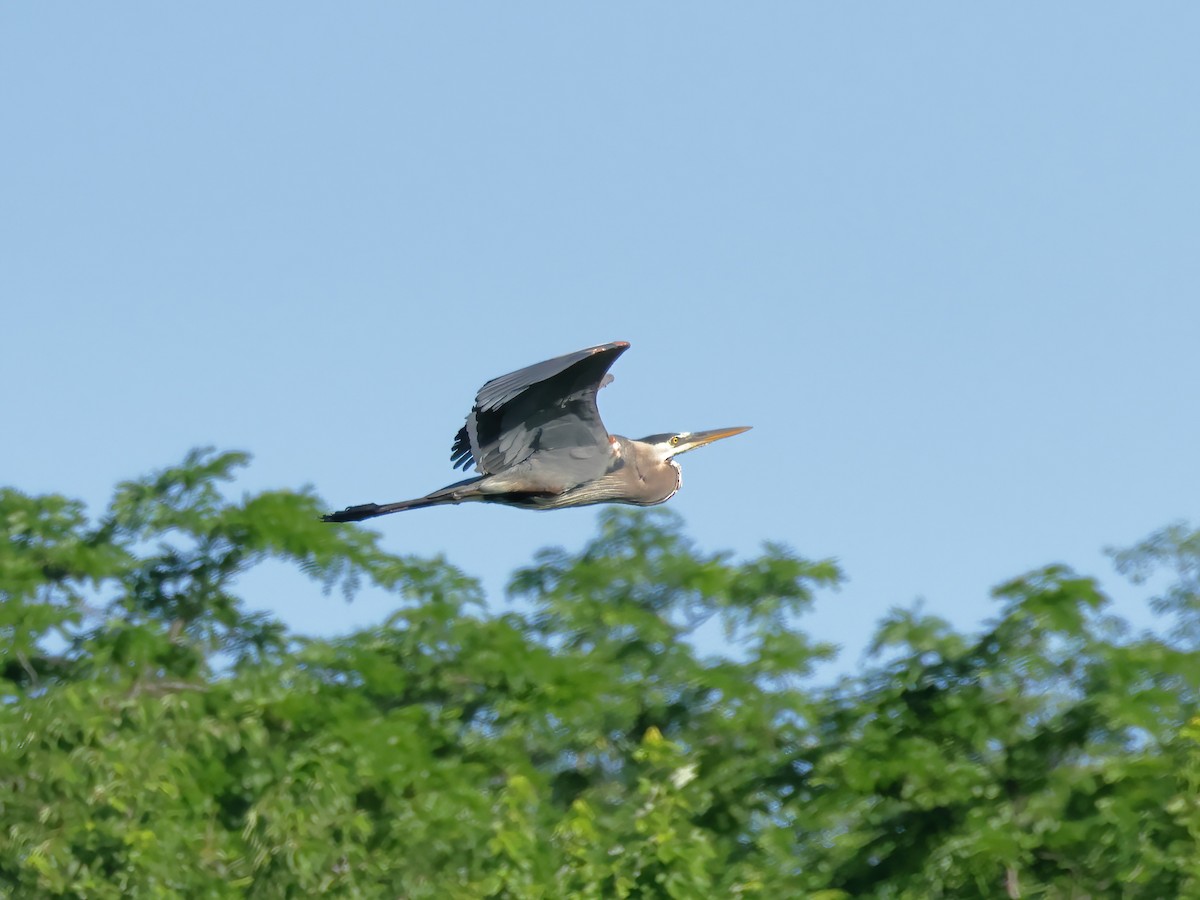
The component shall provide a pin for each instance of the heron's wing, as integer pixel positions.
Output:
(547, 406)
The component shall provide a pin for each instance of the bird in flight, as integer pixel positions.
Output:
(536, 439)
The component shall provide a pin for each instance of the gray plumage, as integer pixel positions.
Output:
(537, 440)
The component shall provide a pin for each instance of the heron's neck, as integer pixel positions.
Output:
(664, 475)
(661, 474)
(678, 477)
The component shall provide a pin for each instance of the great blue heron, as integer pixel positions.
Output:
(537, 440)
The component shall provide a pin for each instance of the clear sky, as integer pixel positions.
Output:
(943, 257)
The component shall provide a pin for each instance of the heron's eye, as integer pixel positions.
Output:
(675, 440)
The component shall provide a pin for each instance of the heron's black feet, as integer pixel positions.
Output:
(353, 513)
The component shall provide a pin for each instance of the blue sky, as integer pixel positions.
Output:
(944, 258)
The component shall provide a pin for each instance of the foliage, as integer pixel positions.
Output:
(157, 738)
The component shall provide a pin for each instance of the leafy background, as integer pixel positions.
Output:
(157, 738)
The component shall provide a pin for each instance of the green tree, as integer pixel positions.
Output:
(158, 739)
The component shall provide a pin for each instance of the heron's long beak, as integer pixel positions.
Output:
(700, 438)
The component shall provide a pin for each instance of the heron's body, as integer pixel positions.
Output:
(536, 438)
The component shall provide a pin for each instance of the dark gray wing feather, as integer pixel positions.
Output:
(547, 406)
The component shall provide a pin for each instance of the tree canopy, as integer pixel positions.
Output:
(158, 738)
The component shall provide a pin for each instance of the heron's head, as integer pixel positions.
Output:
(671, 445)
